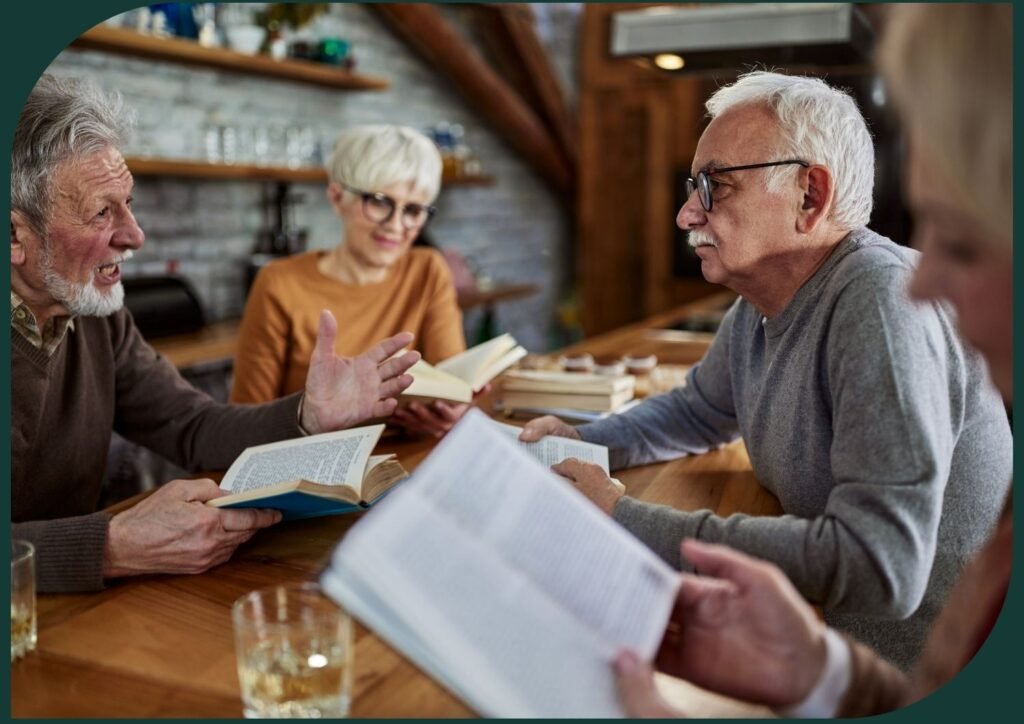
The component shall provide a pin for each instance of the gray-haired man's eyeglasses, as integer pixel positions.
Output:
(702, 184)
(379, 208)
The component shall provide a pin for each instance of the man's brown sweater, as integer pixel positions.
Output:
(105, 377)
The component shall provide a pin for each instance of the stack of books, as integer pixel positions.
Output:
(541, 391)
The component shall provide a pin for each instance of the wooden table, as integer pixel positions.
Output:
(163, 646)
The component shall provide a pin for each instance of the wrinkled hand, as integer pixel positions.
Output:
(434, 419)
(739, 629)
(342, 392)
(534, 430)
(639, 696)
(592, 481)
(172, 531)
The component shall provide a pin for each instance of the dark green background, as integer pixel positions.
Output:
(35, 32)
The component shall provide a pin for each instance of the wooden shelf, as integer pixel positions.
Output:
(141, 166)
(469, 298)
(129, 42)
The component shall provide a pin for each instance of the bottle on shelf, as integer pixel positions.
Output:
(457, 157)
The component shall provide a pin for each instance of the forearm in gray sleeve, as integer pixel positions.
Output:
(679, 422)
(846, 560)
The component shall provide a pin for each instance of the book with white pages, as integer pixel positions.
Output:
(457, 378)
(551, 450)
(325, 474)
(503, 582)
(566, 414)
(566, 383)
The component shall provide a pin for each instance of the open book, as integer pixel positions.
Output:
(457, 378)
(502, 581)
(551, 450)
(312, 476)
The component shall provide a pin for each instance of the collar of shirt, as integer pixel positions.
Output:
(47, 339)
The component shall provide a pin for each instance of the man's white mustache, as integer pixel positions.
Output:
(700, 238)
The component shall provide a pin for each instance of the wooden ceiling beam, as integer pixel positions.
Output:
(426, 31)
(511, 31)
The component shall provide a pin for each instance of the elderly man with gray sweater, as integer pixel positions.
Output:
(861, 411)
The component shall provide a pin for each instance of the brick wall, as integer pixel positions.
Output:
(514, 231)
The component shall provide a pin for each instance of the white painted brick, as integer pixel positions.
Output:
(515, 231)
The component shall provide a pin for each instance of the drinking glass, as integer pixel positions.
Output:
(23, 598)
(294, 648)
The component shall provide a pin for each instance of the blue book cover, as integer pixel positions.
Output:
(295, 504)
(330, 474)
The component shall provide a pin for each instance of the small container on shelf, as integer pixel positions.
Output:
(640, 365)
(577, 362)
(609, 367)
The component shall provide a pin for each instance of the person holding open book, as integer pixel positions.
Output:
(382, 182)
(80, 368)
(740, 628)
(861, 410)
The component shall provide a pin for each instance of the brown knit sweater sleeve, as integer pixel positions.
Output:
(69, 551)
(876, 686)
(158, 409)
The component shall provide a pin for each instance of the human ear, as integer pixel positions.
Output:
(21, 234)
(334, 195)
(818, 190)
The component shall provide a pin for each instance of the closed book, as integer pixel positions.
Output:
(565, 382)
(512, 400)
(312, 476)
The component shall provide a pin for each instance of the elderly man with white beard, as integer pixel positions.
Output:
(861, 411)
(80, 368)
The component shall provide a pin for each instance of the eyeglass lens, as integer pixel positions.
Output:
(702, 185)
(379, 208)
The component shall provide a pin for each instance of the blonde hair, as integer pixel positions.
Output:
(372, 157)
(949, 72)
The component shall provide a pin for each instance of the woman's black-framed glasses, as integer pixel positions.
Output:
(379, 208)
(702, 184)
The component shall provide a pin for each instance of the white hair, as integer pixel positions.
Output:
(817, 123)
(63, 120)
(372, 157)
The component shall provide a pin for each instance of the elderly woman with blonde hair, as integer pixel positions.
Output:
(383, 180)
(741, 628)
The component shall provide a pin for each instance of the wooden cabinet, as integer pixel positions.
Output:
(638, 127)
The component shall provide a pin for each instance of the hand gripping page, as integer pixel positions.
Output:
(502, 581)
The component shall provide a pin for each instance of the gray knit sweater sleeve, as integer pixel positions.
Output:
(894, 417)
(694, 418)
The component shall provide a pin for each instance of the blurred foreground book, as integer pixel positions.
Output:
(500, 580)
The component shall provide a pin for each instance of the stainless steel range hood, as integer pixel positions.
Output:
(744, 35)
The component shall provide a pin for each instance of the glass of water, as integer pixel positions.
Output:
(23, 598)
(295, 650)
